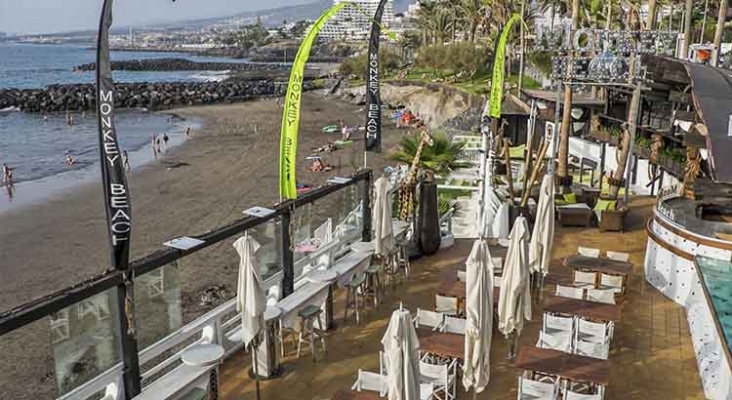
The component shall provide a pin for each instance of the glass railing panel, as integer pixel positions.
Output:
(158, 305)
(27, 363)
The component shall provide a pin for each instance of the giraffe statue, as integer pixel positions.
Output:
(409, 184)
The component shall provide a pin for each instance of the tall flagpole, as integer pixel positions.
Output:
(117, 204)
(372, 134)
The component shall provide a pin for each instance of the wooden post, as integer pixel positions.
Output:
(509, 173)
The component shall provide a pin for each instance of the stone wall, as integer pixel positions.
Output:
(180, 64)
(153, 96)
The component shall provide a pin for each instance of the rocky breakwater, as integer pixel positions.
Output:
(153, 96)
(180, 64)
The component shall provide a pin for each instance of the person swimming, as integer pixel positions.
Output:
(70, 160)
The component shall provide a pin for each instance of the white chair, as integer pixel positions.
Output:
(570, 395)
(498, 264)
(601, 296)
(446, 305)
(585, 279)
(594, 350)
(595, 332)
(552, 323)
(426, 391)
(614, 283)
(618, 256)
(454, 325)
(588, 252)
(462, 276)
(561, 341)
(570, 292)
(370, 381)
(534, 390)
(442, 377)
(428, 318)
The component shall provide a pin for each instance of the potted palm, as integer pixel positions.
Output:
(427, 155)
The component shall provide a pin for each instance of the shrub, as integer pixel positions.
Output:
(455, 57)
(388, 61)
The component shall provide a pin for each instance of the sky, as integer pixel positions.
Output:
(46, 16)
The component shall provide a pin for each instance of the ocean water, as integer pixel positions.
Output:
(36, 147)
(34, 66)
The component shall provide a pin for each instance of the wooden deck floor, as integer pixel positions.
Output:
(652, 355)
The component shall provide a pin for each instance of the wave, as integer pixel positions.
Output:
(211, 76)
(9, 110)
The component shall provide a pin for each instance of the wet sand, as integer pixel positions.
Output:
(227, 166)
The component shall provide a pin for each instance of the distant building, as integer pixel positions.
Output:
(353, 23)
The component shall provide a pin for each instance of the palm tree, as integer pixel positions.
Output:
(560, 7)
(441, 158)
(563, 156)
(721, 16)
(425, 19)
(471, 13)
(651, 18)
(444, 23)
(408, 42)
(687, 27)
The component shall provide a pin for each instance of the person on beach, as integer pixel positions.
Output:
(188, 131)
(7, 174)
(157, 144)
(154, 147)
(45, 118)
(69, 118)
(165, 141)
(126, 161)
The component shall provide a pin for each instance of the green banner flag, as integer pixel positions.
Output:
(291, 113)
(499, 67)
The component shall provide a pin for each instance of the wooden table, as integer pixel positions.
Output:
(457, 289)
(442, 344)
(602, 265)
(348, 394)
(582, 308)
(569, 366)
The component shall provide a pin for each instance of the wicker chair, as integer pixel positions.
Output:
(613, 220)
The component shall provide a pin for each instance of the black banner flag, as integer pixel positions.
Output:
(116, 191)
(372, 137)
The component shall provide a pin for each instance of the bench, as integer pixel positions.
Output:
(184, 382)
(350, 265)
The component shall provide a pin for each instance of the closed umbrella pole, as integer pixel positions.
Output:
(383, 229)
(251, 300)
(401, 348)
(540, 247)
(479, 317)
(514, 303)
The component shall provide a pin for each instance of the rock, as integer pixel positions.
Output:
(81, 97)
(181, 64)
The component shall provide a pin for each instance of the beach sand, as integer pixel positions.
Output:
(227, 166)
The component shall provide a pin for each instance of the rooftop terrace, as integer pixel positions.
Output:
(652, 355)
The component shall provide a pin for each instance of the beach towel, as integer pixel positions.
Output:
(331, 129)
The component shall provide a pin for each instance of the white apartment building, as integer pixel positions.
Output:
(353, 23)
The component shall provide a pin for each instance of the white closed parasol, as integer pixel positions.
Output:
(383, 229)
(540, 247)
(479, 313)
(514, 303)
(401, 347)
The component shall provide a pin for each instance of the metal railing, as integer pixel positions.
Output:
(212, 327)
